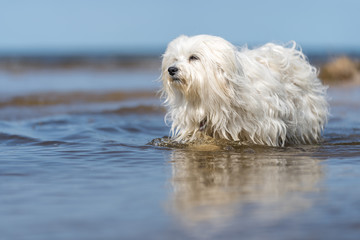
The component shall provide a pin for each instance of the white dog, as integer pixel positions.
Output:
(269, 95)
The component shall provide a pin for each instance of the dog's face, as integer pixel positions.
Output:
(196, 67)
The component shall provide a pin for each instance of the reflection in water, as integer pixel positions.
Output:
(212, 188)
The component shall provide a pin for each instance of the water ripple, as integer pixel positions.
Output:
(16, 139)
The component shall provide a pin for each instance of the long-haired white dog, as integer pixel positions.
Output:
(269, 95)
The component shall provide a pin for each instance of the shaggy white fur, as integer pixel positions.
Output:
(269, 95)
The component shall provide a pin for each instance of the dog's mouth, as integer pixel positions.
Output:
(176, 79)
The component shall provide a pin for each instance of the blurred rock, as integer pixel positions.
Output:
(340, 70)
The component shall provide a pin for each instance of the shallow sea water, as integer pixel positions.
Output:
(75, 163)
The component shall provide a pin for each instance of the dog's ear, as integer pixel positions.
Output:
(230, 74)
(229, 68)
(224, 77)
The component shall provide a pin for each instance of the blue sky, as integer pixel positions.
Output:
(95, 25)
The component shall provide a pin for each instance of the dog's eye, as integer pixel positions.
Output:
(193, 58)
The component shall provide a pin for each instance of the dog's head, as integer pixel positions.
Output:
(200, 76)
(198, 68)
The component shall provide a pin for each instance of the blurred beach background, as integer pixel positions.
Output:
(79, 107)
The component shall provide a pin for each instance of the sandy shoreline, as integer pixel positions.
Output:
(334, 70)
(340, 71)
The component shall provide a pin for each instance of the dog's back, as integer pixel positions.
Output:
(289, 90)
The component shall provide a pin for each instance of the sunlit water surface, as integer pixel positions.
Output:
(75, 163)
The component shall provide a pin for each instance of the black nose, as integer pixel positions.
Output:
(172, 70)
